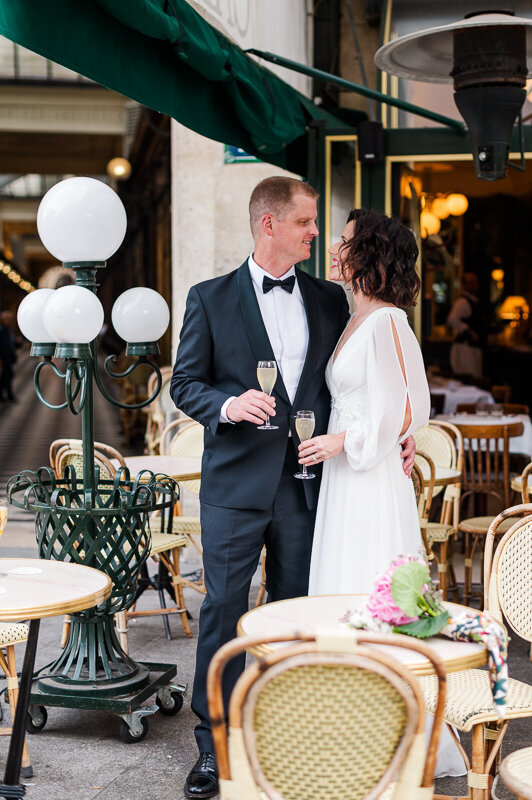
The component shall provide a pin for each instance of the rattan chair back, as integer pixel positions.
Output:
(486, 469)
(60, 446)
(444, 444)
(188, 442)
(423, 476)
(525, 489)
(157, 410)
(327, 716)
(508, 573)
(73, 457)
(171, 430)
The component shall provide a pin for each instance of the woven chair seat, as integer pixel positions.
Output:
(516, 772)
(470, 701)
(190, 525)
(480, 525)
(438, 532)
(13, 633)
(160, 542)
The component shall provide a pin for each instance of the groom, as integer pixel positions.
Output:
(264, 310)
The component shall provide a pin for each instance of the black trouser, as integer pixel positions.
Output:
(232, 542)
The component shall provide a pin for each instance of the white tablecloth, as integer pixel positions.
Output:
(518, 444)
(456, 393)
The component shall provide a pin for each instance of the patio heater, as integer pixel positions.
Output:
(485, 56)
(90, 518)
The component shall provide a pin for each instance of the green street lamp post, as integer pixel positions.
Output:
(92, 519)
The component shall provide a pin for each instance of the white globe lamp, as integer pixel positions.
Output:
(30, 322)
(140, 316)
(73, 316)
(81, 220)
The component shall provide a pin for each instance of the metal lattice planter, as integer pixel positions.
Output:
(112, 535)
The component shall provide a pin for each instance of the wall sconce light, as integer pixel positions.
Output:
(485, 55)
(514, 308)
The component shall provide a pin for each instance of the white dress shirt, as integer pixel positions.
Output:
(285, 320)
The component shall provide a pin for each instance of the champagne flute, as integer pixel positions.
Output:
(3, 518)
(266, 376)
(304, 429)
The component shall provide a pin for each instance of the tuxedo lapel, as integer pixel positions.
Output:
(254, 324)
(314, 334)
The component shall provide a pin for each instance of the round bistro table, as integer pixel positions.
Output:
(30, 589)
(309, 614)
(180, 468)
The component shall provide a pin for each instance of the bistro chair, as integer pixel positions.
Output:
(324, 716)
(188, 441)
(59, 445)
(507, 593)
(523, 482)
(158, 409)
(507, 408)
(486, 476)
(12, 633)
(501, 393)
(443, 444)
(423, 490)
(516, 774)
(165, 547)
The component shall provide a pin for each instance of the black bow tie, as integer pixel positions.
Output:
(287, 284)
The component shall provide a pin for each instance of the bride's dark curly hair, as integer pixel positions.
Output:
(380, 259)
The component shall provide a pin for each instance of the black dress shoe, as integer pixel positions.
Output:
(202, 780)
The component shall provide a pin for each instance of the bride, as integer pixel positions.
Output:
(367, 513)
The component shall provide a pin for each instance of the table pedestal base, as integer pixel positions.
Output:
(159, 676)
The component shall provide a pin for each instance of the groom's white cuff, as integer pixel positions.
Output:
(223, 411)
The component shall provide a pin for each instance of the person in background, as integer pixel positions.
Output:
(464, 318)
(8, 356)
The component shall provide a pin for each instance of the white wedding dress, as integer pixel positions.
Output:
(367, 512)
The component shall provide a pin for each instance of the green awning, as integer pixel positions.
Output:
(167, 57)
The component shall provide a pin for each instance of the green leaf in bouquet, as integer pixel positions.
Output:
(424, 626)
(407, 583)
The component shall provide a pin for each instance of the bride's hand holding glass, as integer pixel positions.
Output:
(314, 451)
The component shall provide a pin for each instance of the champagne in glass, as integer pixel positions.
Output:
(266, 376)
(304, 429)
(3, 518)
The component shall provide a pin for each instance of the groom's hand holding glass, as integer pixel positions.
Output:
(251, 406)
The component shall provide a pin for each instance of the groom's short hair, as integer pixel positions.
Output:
(275, 196)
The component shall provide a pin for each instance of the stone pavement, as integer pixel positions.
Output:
(79, 755)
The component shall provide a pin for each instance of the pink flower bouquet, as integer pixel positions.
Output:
(404, 600)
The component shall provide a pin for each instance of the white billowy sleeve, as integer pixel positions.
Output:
(369, 441)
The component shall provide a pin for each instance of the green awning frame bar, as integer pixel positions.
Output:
(454, 124)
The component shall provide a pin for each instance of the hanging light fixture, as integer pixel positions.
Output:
(440, 207)
(485, 55)
(430, 224)
(457, 204)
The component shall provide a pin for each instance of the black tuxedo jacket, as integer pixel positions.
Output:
(222, 338)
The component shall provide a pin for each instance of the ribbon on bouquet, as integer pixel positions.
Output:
(470, 626)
